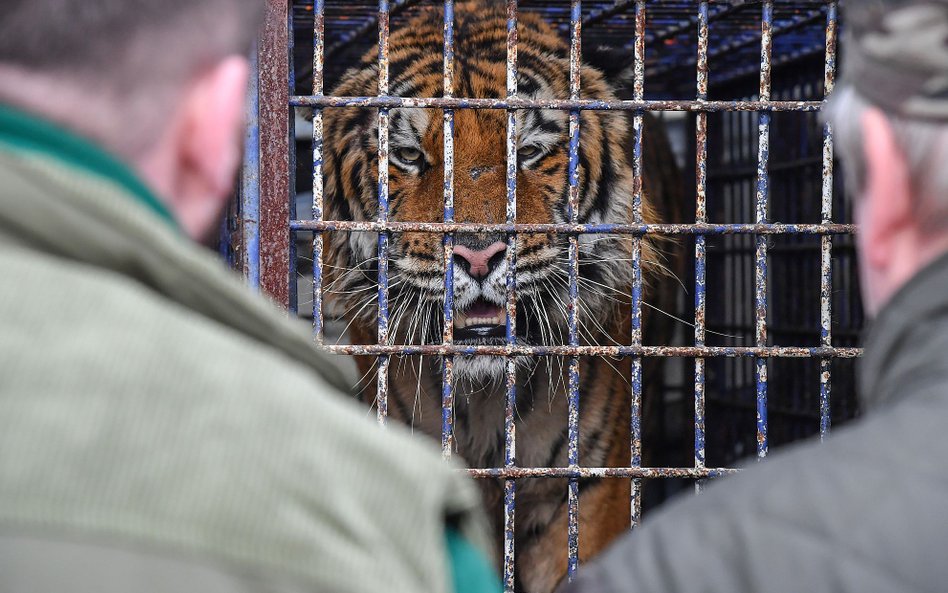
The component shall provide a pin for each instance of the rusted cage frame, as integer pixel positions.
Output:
(266, 256)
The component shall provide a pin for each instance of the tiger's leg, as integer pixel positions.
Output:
(603, 516)
(604, 504)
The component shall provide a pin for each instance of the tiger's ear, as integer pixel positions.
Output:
(617, 64)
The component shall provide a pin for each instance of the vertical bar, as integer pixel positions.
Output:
(701, 216)
(826, 242)
(383, 240)
(510, 435)
(760, 277)
(274, 121)
(319, 41)
(292, 297)
(447, 362)
(635, 444)
(250, 184)
(572, 309)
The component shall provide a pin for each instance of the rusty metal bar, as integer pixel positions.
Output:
(509, 103)
(635, 427)
(615, 351)
(600, 472)
(826, 242)
(292, 284)
(274, 123)
(383, 237)
(701, 217)
(447, 338)
(572, 308)
(510, 426)
(319, 41)
(760, 267)
(576, 229)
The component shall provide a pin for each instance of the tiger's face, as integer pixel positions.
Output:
(416, 193)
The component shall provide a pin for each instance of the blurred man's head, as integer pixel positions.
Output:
(890, 118)
(161, 84)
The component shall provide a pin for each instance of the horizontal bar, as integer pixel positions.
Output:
(600, 472)
(614, 351)
(388, 101)
(575, 229)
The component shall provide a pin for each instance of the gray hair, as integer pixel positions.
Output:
(923, 143)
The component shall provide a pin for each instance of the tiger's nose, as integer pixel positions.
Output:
(480, 263)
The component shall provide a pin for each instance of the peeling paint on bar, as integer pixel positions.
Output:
(826, 242)
(381, 398)
(601, 472)
(562, 104)
(760, 263)
(318, 45)
(447, 362)
(572, 208)
(635, 412)
(510, 404)
(576, 229)
(614, 351)
(701, 216)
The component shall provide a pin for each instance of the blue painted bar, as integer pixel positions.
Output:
(510, 408)
(826, 243)
(635, 438)
(250, 182)
(381, 398)
(447, 362)
(701, 216)
(572, 309)
(319, 41)
(760, 264)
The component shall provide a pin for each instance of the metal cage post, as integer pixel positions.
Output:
(510, 409)
(760, 260)
(381, 398)
(447, 364)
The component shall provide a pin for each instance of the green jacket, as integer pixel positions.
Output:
(151, 406)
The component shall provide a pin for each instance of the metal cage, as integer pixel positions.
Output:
(775, 308)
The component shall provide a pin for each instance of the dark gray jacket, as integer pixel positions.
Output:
(866, 511)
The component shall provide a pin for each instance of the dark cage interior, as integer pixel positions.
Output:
(769, 294)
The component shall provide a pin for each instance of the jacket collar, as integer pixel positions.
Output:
(905, 339)
(22, 132)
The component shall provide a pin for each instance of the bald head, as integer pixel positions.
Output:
(160, 83)
(112, 69)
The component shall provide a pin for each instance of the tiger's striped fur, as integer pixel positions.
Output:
(416, 294)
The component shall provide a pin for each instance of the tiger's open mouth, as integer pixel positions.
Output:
(482, 319)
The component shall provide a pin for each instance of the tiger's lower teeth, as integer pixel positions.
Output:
(462, 321)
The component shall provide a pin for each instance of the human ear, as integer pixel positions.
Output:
(210, 142)
(886, 210)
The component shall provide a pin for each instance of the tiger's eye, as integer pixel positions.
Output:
(527, 152)
(408, 155)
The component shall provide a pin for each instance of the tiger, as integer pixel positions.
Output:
(416, 262)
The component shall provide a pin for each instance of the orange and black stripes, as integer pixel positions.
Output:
(416, 194)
